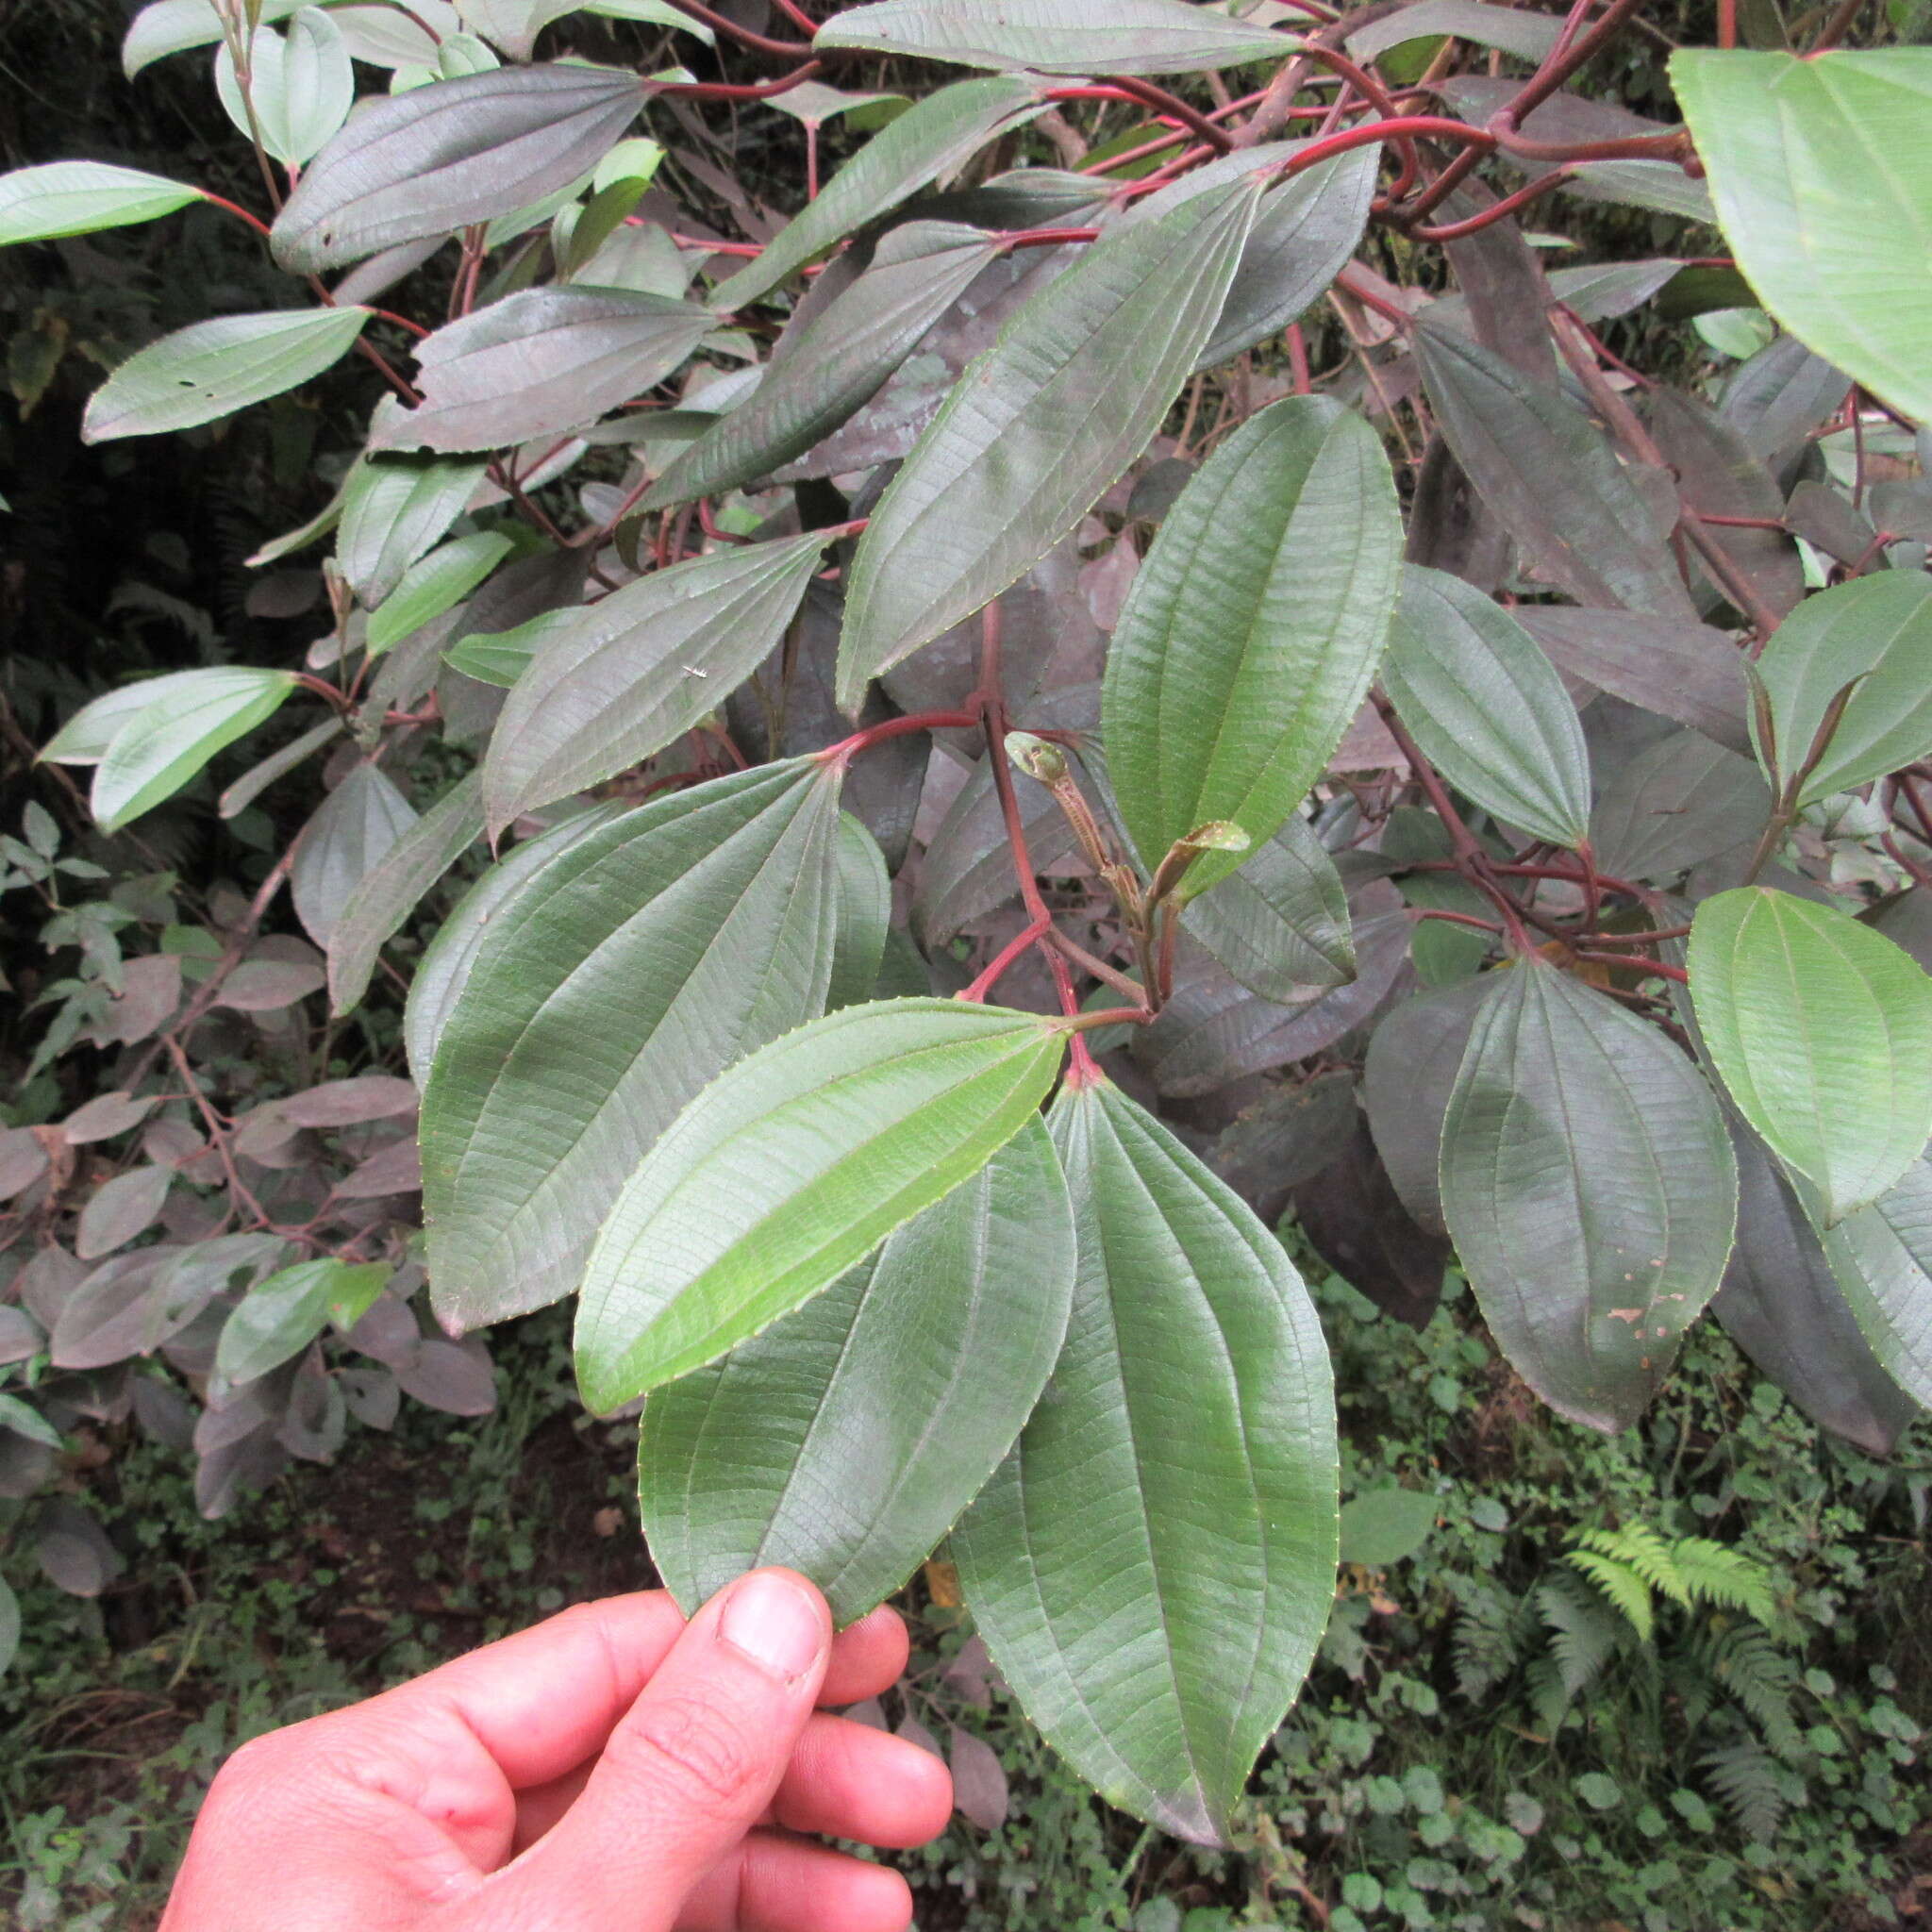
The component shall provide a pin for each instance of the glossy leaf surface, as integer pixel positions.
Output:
(619, 978)
(1821, 1031)
(1056, 36)
(1487, 707)
(1781, 138)
(282, 1317)
(1253, 629)
(1153, 1565)
(1588, 1185)
(793, 1167)
(625, 677)
(447, 156)
(212, 369)
(847, 1439)
(1037, 428)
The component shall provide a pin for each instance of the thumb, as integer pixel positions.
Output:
(691, 1767)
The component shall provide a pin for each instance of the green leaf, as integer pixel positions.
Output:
(1408, 1075)
(9, 1626)
(1384, 1526)
(18, 1418)
(1304, 233)
(434, 584)
(389, 890)
(931, 141)
(847, 1439)
(1153, 1565)
(1038, 427)
(85, 737)
(865, 912)
(1487, 707)
(1781, 1304)
(1720, 474)
(1551, 478)
(349, 835)
(615, 982)
(1687, 671)
(1883, 1260)
(444, 969)
(394, 508)
(212, 369)
(1821, 172)
(1528, 36)
(1253, 629)
(837, 364)
(81, 197)
(791, 1167)
(1820, 1029)
(443, 156)
(1876, 630)
(176, 27)
(173, 734)
(1588, 1187)
(627, 674)
(1677, 803)
(539, 362)
(1280, 922)
(300, 88)
(1056, 36)
(282, 1317)
(502, 656)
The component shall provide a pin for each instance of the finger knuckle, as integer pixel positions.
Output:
(694, 1746)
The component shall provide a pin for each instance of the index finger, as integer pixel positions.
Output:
(544, 1701)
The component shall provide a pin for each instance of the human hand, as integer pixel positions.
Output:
(612, 1770)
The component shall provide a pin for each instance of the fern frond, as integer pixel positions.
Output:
(1763, 1681)
(1639, 1547)
(1621, 1584)
(1746, 1779)
(1489, 1640)
(1548, 1700)
(1716, 1573)
(1583, 1632)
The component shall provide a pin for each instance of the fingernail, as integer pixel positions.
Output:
(773, 1620)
